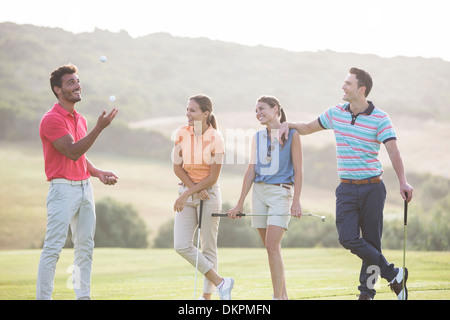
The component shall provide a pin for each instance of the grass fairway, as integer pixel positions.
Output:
(160, 274)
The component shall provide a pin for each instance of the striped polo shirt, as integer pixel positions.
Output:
(358, 139)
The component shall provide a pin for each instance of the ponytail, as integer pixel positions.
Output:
(283, 119)
(206, 104)
(283, 115)
(272, 102)
(212, 120)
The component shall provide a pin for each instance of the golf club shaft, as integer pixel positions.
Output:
(264, 215)
(198, 246)
(405, 219)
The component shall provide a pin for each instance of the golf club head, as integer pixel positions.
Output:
(315, 215)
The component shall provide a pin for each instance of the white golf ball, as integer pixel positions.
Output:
(103, 59)
(112, 98)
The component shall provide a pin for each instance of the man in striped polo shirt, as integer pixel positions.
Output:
(360, 128)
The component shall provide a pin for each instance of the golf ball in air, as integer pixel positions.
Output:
(112, 98)
(103, 59)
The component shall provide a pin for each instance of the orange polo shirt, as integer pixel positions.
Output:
(198, 153)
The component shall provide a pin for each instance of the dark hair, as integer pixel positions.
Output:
(272, 102)
(206, 104)
(364, 79)
(57, 74)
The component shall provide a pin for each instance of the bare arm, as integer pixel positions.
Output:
(301, 127)
(106, 177)
(306, 128)
(406, 190)
(193, 187)
(182, 175)
(207, 182)
(74, 150)
(247, 183)
(297, 160)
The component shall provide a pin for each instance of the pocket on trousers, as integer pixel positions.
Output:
(215, 198)
(54, 193)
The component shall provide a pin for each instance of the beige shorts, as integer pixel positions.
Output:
(273, 200)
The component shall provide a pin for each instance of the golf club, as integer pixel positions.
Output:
(266, 215)
(405, 216)
(198, 245)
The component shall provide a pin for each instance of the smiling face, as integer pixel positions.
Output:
(265, 113)
(351, 90)
(70, 90)
(194, 113)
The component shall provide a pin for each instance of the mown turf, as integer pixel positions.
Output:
(160, 274)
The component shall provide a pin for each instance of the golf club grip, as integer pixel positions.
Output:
(226, 215)
(405, 215)
(200, 215)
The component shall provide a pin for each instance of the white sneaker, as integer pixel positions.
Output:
(225, 290)
(397, 284)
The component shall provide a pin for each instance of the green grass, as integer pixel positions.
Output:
(160, 274)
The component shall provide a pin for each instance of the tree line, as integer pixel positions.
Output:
(119, 225)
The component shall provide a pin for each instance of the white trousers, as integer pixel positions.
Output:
(68, 205)
(185, 225)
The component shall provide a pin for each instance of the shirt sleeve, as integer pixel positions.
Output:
(325, 119)
(53, 128)
(386, 130)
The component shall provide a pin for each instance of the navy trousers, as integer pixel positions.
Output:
(359, 222)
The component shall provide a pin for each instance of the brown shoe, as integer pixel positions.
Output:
(364, 296)
(397, 286)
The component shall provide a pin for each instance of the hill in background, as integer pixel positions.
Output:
(152, 78)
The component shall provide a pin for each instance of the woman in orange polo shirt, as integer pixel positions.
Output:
(197, 161)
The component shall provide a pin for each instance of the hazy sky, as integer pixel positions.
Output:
(383, 27)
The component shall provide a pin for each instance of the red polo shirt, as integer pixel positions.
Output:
(56, 123)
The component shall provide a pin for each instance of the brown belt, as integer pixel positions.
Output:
(363, 181)
(283, 185)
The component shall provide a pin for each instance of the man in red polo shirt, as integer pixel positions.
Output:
(70, 200)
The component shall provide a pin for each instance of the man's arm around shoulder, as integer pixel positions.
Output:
(302, 128)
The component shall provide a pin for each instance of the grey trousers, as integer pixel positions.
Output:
(185, 225)
(68, 204)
